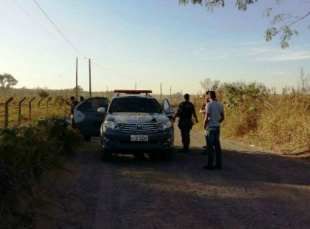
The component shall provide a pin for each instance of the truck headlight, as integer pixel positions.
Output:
(110, 125)
(165, 125)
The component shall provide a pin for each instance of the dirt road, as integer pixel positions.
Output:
(254, 190)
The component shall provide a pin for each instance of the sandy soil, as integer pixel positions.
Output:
(255, 189)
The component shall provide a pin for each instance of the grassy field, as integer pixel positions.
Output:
(280, 123)
(52, 105)
(277, 122)
(45, 109)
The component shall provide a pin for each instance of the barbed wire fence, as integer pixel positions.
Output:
(23, 111)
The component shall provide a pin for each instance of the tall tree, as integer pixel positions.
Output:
(208, 84)
(43, 94)
(7, 81)
(281, 24)
(79, 88)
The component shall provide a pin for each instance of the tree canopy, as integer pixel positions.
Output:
(7, 81)
(43, 94)
(281, 24)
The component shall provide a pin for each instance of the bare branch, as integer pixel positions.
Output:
(301, 18)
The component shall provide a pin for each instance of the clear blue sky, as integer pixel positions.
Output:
(144, 43)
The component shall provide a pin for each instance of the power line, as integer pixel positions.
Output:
(62, 34)
(25, 12)
(58, 29)
(117, 73)
(61, 75)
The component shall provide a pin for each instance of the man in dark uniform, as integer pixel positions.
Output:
(185, 112)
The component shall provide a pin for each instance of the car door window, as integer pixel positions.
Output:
(93, 104)
(166, 104)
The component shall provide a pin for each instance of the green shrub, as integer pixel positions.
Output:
(243, 104)
(27, 152)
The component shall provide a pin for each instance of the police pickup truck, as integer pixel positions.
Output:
(135, 123)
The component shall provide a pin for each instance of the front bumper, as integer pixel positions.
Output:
(120, 141)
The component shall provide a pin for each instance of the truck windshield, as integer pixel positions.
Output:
(142, 105)
(92, 104)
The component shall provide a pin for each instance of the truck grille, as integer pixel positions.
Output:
(138, 127)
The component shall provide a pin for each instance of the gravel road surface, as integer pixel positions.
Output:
(255, 189)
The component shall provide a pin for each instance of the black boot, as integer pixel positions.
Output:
(184, 150)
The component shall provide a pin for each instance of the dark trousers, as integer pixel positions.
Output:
(214, 146)
(185, 126)
(73, 125)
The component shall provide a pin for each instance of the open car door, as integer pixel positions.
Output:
(169, 111)
(86, 117)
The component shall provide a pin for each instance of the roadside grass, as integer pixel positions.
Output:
(56, 108)
(280, 123)
(26, 154)
(285, 124)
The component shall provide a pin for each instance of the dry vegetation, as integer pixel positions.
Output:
(27, 153)
(276, 122)
(46, 103)
(285, 124)
(254, 114)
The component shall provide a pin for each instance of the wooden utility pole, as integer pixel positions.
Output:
(89, 65)
(76, 80)
(161, 93)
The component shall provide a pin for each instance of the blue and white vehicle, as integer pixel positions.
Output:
(135, 123)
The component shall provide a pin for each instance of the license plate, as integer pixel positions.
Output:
(139, 138)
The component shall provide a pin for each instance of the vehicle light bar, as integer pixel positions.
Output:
(133, 91)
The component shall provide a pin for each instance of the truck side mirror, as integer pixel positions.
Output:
(101, 110)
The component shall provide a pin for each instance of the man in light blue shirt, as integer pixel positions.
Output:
(214, 116)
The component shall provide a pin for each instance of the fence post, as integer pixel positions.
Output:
(47, 102)
(39, 103)
(6, 112)
(20, 110)
(30, 107)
